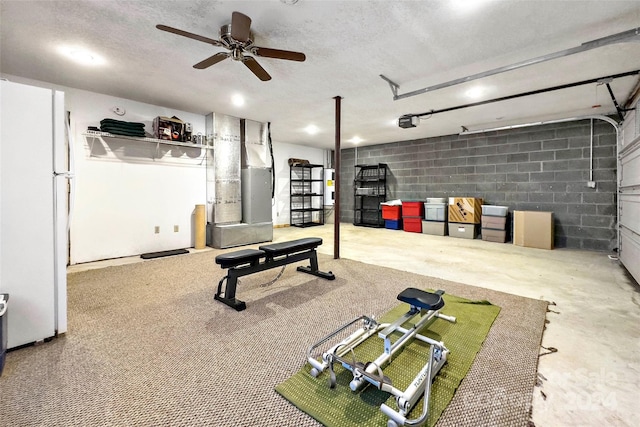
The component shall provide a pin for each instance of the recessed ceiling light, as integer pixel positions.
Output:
(356, 140)
(237, 100)
(81, 56)
(475, 92)
(466, 5)
(312, 129)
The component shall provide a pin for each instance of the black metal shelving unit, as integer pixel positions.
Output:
(306, 189)
(369, 190)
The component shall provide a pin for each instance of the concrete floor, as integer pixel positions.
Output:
(594, 377)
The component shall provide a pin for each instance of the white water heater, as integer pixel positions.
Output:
(329, 187)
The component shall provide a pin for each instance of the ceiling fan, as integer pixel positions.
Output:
(238, 39)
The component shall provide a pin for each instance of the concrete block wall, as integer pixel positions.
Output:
(541, 168)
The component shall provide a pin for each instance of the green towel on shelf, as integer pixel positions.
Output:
(114, 122)
(118, 127)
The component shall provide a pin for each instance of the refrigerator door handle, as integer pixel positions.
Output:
(69, 175)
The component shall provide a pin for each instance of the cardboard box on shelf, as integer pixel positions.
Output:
(462, 230)
(533, 229)
(435, 228)
(169, 128)
(465, 210)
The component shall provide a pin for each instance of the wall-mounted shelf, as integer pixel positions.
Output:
(96, 134)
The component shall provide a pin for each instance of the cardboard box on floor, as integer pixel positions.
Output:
(533, 229)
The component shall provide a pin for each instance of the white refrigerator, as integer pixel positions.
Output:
(33, 211)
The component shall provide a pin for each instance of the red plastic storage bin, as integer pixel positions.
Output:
(391, 212)
(413, 209)
(413, 225)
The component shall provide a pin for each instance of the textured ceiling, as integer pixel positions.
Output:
(348, 45)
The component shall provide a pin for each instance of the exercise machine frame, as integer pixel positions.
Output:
(371, 372)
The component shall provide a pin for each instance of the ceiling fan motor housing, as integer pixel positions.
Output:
(225, 36)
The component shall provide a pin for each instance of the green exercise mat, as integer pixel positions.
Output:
(340, 407)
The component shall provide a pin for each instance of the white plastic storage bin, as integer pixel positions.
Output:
(435, 211)
(492, 210)
(438, 200)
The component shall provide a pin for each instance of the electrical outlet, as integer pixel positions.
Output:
(156, 229)
(176, 228)
(591, 184)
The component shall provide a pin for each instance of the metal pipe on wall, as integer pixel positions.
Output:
(591, 154)
(609, 120)
(336, 214)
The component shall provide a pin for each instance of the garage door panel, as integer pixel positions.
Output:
(631, 253)
(630, 167)
(629, 195)
(630, 212)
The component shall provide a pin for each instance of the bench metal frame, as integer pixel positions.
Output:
(255, 266)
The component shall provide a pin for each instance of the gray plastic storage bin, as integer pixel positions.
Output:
(435, 211)
(492, 210)
(4, 302)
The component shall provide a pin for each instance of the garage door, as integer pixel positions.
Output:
(629, 194)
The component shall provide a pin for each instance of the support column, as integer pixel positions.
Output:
(336, 165)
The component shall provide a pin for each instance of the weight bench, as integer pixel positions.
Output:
(248, 261)
(423, 303)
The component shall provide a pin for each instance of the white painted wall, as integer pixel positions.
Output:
(124, 189)
(281, 154)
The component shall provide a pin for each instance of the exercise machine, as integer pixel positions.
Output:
(425, 306)
(248, 261)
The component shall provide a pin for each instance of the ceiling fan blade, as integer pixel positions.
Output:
(279, 54)
(240, 26)
(255, 68)
(212, 60)
(189, 35)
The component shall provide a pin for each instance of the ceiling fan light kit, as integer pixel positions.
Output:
(237, 38)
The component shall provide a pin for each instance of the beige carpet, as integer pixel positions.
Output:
(149, 346)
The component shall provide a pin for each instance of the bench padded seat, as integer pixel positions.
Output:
(422, 299)
(287, 248)
(243, 256)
